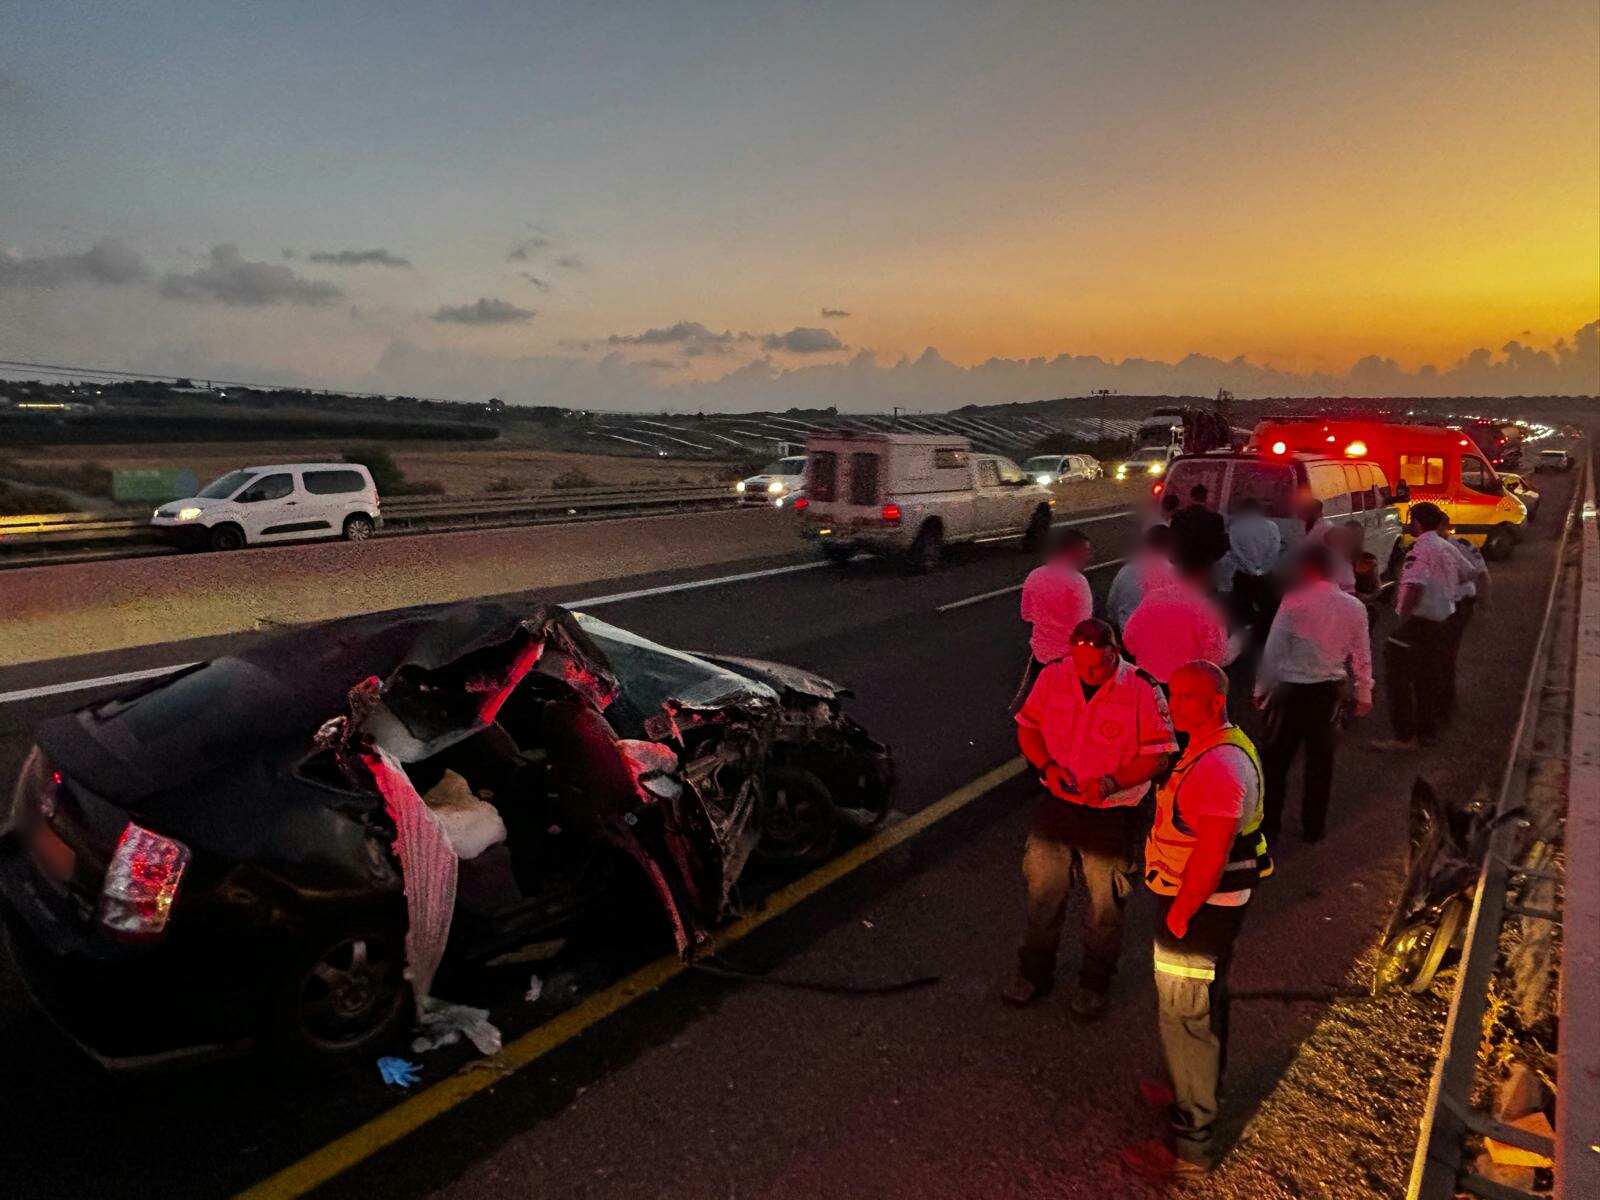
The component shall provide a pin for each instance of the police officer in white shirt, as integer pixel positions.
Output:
(1148, 571)
(1096, 729)
(1472, 592)
(1253, 547)
(1415, 655)
(1319, 639)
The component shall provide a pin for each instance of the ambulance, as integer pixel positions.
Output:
(1439, 464)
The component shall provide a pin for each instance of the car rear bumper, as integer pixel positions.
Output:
(128, 1007)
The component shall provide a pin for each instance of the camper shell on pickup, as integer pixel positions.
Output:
(914, 494)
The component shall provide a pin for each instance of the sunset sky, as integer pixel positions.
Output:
(636, 204)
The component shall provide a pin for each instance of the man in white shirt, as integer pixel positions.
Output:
(1415, 655)
(1254, 543)
(1178, 624)
(1318, 640)
(1344, 545)
(1148, 571)
(1472, 593)
(1056, 596)
(1096, 729)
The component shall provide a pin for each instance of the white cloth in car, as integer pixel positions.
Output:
(470, 825)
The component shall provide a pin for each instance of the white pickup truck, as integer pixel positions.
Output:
(915, 494)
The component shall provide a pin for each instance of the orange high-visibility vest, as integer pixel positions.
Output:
(1172, 840)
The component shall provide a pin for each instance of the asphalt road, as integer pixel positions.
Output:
(709, 1087)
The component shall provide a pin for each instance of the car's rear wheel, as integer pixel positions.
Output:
(344, 999)
(928, 550)
(357, 528)
(226, 537)
(1498, 544)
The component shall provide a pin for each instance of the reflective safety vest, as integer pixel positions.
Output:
(1172, 839)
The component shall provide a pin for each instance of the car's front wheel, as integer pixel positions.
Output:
(1498, 544)
(346, 998)
(799, 819)
(357, 528)
(226, 537)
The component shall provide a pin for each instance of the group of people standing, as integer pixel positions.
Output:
(1135, 700)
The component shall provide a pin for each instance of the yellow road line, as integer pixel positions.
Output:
(416, 1111)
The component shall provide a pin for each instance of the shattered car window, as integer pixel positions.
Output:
(657, 675)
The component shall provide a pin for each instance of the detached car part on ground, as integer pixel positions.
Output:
(285, 846)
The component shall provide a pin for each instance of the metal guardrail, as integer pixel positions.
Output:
(1437, 1169)
(401, 515)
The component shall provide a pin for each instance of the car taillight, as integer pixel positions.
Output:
(1155, 488)
(141, 883)
(891, 514)
(801, 504)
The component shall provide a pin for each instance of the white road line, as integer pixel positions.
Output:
(78, 685)
(1017, 587)
(82, 685)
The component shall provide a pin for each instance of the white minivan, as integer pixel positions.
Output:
(285, 503)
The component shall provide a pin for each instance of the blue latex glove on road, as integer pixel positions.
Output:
(398, 1071)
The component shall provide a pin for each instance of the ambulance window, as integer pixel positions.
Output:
(1270, 483)
(1475, 474)
(1421, 470)
(1356, 483)
(822, 475)
(864, 479)
(1328, 485)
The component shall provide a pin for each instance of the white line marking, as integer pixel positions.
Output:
(82, 685)
(1017, 587)
(78, 685)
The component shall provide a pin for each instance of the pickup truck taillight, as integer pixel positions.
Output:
(141, 883)
(891, 514)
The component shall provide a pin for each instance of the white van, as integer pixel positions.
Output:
(1354, 493)
(286, 503)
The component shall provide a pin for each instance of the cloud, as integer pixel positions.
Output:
(358, 258)
(523, 251)
(803, 341)
(485, 312)
(108, 261)
(232, 279)
(534, 280)
(860, 383)
(570, 261)
(834, 313)
(694, 337)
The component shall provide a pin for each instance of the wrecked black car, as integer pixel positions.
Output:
(283, 847)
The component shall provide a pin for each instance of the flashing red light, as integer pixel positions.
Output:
(801, 503)
(141, 883)
(1331, 438)
(891, 513)
(55, 778)
(1464, 442)
(1280, 447)
(1155, 488)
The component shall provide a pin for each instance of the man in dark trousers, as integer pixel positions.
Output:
(1203, 859)
(1202, 534)
(1416, 655)
(1095, 728)
(1318, 644)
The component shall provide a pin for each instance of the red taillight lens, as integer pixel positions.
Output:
(1155, 488)
(891, 514)
(141, 883)
(801, 504)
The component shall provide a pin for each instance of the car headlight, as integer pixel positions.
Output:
(1044, 479)
(774, 487)
(1156, 468)
(188, 514)
(739, 487)
(1122, 470)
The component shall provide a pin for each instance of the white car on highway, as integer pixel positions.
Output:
(284, 503)
(1062, 468)
(775, 481)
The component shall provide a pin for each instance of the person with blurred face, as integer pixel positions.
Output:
(1343, 545)
(1147, 571)
(1319, 644)
(1056, 596)
(1204, 857)
(1176, 624)
(1096, 730)
(1415, 657)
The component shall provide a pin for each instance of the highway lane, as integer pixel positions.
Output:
(711, 1088)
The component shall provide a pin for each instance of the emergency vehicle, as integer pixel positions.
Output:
(1440, 465)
